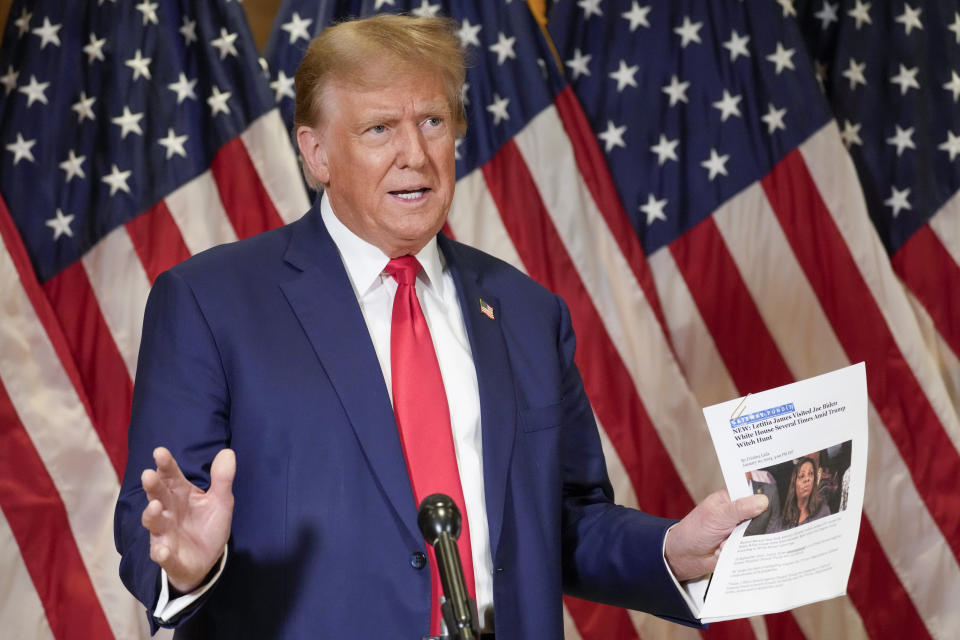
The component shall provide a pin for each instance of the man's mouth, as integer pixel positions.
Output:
(410, 194)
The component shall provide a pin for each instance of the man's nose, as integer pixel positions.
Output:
(411, 147)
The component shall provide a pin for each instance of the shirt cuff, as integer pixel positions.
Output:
(167, 610)
(694, 592)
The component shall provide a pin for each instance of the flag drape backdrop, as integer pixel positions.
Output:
(672, 168)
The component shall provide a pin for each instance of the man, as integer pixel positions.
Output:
(281, 360)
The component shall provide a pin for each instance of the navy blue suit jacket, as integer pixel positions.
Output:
(260, 346)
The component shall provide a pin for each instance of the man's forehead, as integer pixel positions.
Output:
(422, 92)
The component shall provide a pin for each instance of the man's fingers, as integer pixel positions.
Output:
(153, 518)
(167, 467)
(750, 507)
(154, 486)
(222, 472)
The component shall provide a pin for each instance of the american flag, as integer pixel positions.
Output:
(133, 134)
(766, 253)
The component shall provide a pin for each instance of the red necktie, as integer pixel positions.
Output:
(423, 417)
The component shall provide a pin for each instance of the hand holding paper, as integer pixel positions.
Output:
(693, 545)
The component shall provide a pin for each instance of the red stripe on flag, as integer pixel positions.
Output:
(246, 201)
(38, 520)
(728, 310)
(102, 371)
(157, 240)
(596, 175)
(934, 278)
(597, 621)
(862, 330)
(876, 592)
(606, 379)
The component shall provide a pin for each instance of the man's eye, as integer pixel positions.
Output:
(378, 128)
(434, 122)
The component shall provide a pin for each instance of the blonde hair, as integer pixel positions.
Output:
(395, 43)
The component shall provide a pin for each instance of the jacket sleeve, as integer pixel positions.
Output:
(611, 554)
(180, 401)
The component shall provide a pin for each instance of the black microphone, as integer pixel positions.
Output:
(439, 521)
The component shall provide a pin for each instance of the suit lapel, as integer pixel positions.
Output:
(322, 299)
(495, 379)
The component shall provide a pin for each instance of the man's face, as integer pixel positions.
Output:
(386, 157)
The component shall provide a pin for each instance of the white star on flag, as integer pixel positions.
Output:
(906, 78)
(297, 27)
(787, 7)
(902, 139)
(225, 43)
(84, 107)
(774, 118)
(35, 91)
(499, 108)
(21, 149)
(637, 16)
(173, 144)
(468, 33)
(665, 149)
(827, 14)
(613, 136)
(654, 209)
(782, 58)
(9, 79)
(737, 45)
(282, 86)
(898, 200)
(715, 164)
(951, 145)
(625, 75)
(218, 101)
(590, 8)
(48, 33)
(94, 49)
(23, 22)
(728, 105)
(60, 225)
(149, 11)
(183, 87)
(861, 13)
(953, 85)
(676, 90)
(73, 166)
(688, 32)
(128, 122)
(854, 73)
(117, 180)
(503, 48)
(578, 64)
(850, 134)
(380, 3)
(910, 18)
(188, 30)
(426, 10)
(955, 27)
(140, 66)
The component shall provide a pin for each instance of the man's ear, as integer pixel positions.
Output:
(313, 150)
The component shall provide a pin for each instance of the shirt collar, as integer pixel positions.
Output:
(365, 262)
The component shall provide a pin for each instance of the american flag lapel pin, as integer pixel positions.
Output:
(486, 309)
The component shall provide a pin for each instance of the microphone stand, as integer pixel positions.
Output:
(439, 521)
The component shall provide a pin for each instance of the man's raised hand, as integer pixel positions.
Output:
(188, 526)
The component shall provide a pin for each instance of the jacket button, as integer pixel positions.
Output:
(418, 559)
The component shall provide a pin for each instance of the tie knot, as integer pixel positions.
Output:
(404, 269)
